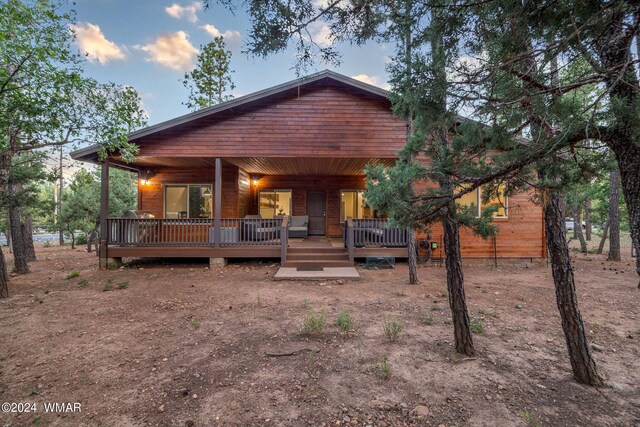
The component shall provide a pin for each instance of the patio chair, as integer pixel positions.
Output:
(299, 226)
(260, 229)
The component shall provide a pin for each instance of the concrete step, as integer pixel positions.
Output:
(318, 263)
(286, 273)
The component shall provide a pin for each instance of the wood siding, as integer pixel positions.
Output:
(244, 194)
(299, 185)
(322, 121)
(521, 235)
(151, 195)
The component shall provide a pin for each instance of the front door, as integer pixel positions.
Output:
(317, 212)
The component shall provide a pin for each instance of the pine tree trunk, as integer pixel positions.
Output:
(27, 232)
(587, 219)
(605, 231)
(73, 240)
(8, 236)
(413, 259)
(623, 125)
(582, 363)
(5, 166)
(4, 277)
(20, 264)
(577, 228)
(455, 287)
(614, 216)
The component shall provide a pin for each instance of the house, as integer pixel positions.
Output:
(253, 176)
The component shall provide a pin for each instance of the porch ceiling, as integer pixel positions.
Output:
(265, 165)
(305, 166)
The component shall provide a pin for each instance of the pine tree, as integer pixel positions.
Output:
(45, 101)
(210, 80)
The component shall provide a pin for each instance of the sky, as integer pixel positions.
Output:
(150, 44)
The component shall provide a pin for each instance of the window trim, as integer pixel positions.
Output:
(164, 198)
(284, 190)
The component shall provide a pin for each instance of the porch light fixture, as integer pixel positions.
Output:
(207, 192)
(145, 176)
(254, 179)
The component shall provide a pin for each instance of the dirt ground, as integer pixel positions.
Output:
(182, 345)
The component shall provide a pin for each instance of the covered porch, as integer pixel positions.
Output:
(221, 208)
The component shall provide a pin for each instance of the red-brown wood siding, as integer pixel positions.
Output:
(519, 235)
(323, 121)
(301, 184)
(244, 193)
(151, 195)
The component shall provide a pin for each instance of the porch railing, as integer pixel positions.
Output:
(250, 231)
(193, 232)
(376, 233)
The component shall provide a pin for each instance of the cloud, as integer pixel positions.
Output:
(90, 39)
(231, 37)
(172, 50)
(190, 12)
(321, 33)
(372, 80)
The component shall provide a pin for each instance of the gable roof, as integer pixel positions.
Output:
(90, 154)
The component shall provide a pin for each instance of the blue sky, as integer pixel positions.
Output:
(150, 44)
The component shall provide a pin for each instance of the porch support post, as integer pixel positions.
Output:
(104, 213)
(284, 239)
(218, 203)
(350, 239)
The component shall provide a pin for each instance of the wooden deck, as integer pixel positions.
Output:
(192, 252)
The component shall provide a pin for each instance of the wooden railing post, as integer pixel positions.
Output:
(284, 239)
(104, 213)
(218, 203)
(350, 238)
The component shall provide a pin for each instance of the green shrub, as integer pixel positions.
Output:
(82, 283)
(392, 328)
(426, 319)
(314, 322)
(107, 288)
(476, 326)
(529, 418)
(195, 323)
(382, 370)
(72, 274)
(345, 320)
(81, 239)
(123, 285)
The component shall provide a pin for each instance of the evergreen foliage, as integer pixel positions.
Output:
(210, 80)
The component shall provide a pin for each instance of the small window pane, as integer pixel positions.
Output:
(499, 200)
(469, 199)
(176, 202)
(364, 211)
(348, 205)
(283, 202)
(199, 201)
(267, 204)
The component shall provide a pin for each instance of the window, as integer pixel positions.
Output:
(187, 201)
(274, 202)
(469, 199)
(500, 200)
(354, 205)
